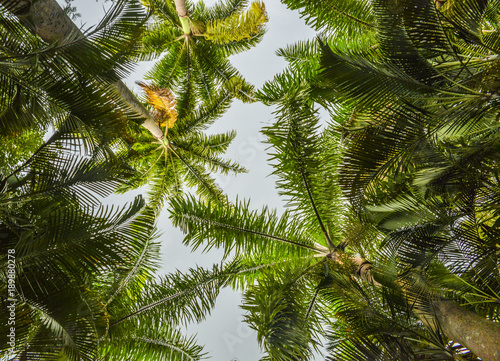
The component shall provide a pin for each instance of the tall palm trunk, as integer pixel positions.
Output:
(478, 334)
(49, 21)
(180, 6)
(466, 327)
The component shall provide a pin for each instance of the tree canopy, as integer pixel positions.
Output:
(384, 149)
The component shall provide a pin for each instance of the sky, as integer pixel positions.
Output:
(224, 335)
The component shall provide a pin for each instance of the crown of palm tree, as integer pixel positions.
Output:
(196, 47)
(398, 94)
(185, 157)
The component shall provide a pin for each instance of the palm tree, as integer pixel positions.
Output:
(185, 157)
(96, 59)
(420, 147)
(304, 277)
(196, 42)
(79, 278)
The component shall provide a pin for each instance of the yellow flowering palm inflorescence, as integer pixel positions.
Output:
(163, 102)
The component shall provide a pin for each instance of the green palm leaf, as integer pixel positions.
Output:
(164, 344)
(241, 230)
(351, 17)
(174, 299)
(306, 175)
(276, 307)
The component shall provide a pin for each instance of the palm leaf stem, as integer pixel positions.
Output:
(176, 176)
(311, 304)
(193, 171)
(129, 274)
(331, 246)
(154, 163)
(470, 60)
(271, 264)
(349, 16)
(185, 25)
(164, 343)
(317, 247)
(165, 299)
(469, 90)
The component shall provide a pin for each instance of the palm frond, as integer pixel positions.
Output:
(277, 308)
(238, 26)
(238, 229)
(161, 344)
(364, 84)
(353, 16)
(175, 299)
(204, 149)
(306, 174)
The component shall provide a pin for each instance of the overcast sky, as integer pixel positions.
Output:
(224, 335)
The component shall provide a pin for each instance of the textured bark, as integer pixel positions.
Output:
(180, 6)
(460, 325)
(363, 270)
(478, 334)
(49, 21)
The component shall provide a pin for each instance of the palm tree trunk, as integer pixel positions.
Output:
(478, 334)
(49, 21)
(180, 6)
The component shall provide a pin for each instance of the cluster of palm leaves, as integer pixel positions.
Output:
(84, 279)
(387, 249)
(193, 84)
